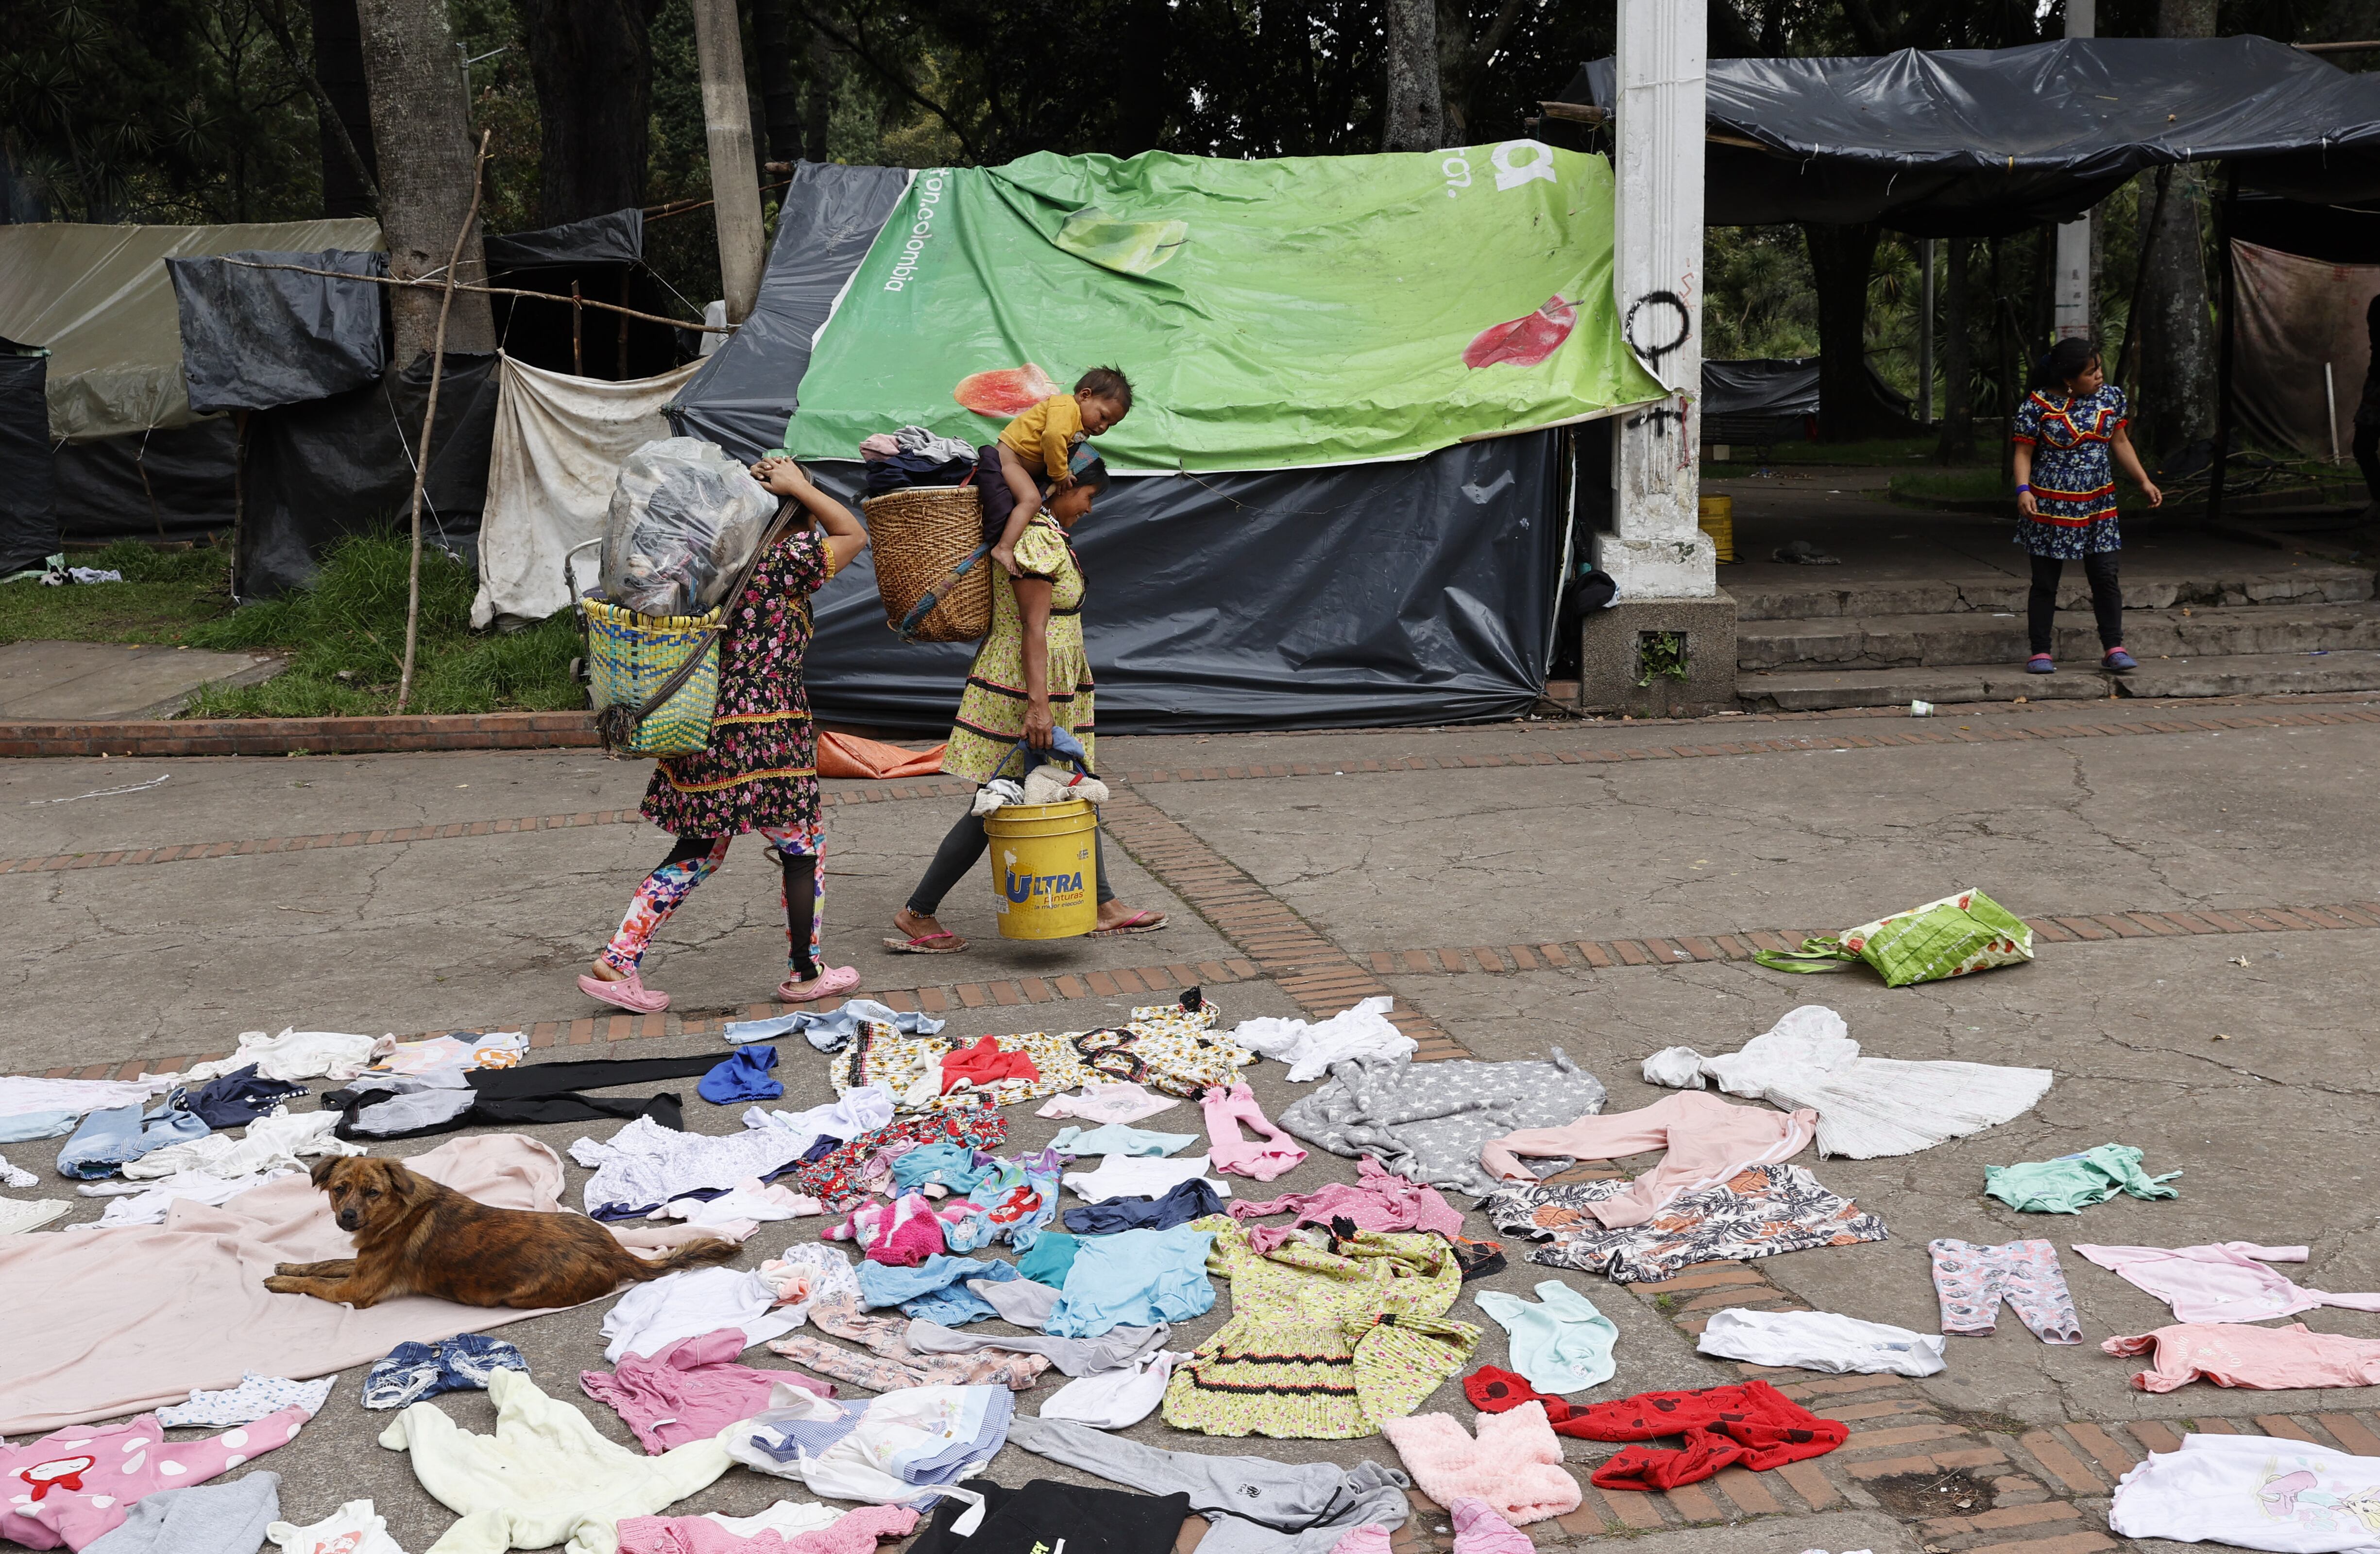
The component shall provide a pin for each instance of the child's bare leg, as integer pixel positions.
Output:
(1028, 501)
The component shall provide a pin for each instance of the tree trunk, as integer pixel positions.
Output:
(1849, 406)
(1957, 440)
(2176, 403)
(817, 107)
(592, 63)
(421, 127)
(780, 73)
(1415, 119)
(339, 67)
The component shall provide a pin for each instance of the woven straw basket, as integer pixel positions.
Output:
(930, 562)
(629, 655)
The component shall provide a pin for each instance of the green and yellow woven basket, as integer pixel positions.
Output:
(629, 655)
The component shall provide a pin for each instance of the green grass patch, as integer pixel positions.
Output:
(346, 636)
(164, 596)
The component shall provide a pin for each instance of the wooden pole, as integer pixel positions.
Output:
(578, 314)
(620, 373)
(735, 173)
(2224, 342)
(2128, 364)
(429, 420)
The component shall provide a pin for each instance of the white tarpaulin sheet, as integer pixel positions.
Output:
(559, 444)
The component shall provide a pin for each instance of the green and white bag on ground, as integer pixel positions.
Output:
(1951, 937)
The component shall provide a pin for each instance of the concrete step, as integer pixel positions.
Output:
(1823, 691)
(1813, 595)
(2254, 674)
(1977, 637)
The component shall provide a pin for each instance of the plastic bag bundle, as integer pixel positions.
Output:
(1951, 937)
(684, 519)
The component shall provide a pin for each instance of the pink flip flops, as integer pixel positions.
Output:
(630, 993)
(826, 984)
(1227, 1150)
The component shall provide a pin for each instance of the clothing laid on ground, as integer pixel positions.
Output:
(411, 1372)
(543, 1478)
(108, 1141)
(238, 1097)
(991, 711)
(1820, 1340)
(1514, 1465)
(1113, 1400)
(79, 1483)
(1133, 1278)
(209, 1519)
(899, 1448)
(1258, 1505)
(649, 1162)
(935, 1290)
(901, 1233)
(2235, 1355)
(1169, 1046)
(1325, 1341)
(1867, 1107)
(354, 1528)
(1114, 1138)
(2099, 570)
(747, 1203)
(829, 1031)
(18, 1215)
(2224, 1282)
(891, 1363)
(1379, 1201)
(255, 1397)
(1188, 1201)
(1269, 1154)
(22, 1094)
(1012, 1201)
(1972, 1280)
(417, 1106)
(1020, 1302)
(1050, 1258)
(462, 1049)
(760, 766)
(281, 1143)
(1560, 1342)
(20, 1127)
(296, 1055)
(1762, 1211)
(2072, 1183)
(1112, 1351)
(1044, 1516)
(1427, 1121)
(1140, 1176)
(1707, 1142)
(743, 1075)
(1122, 1101)
(840, 1178)
(688, 1391)
(803, 1274)
(984, 1065)
(1751, 1424)
(1309, 1048)
(2074, 475)
(688, 1304)
(2271, 1492)
(193, 1290)
(775, 1531)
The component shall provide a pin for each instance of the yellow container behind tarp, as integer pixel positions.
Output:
(1045, 875)
(1717, 518)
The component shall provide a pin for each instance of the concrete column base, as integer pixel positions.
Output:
(1614, 657)
(1682, 566)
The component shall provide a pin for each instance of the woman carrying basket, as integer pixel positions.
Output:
(759, 772)
(1031, 676)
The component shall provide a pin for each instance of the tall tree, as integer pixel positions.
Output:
(1957, 440)
(429, 173)
(592, 61)
(777, 64)
(2176, 404)
(1415, 116)
(342, 111)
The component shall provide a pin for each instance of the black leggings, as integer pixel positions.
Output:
(2106, 599)
(964, 845)
(801, 892)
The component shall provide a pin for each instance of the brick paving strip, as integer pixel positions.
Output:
(1601, 755)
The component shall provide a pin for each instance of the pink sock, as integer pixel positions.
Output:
(1228, 1151)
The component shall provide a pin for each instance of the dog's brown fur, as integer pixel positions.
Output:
(415, 1237)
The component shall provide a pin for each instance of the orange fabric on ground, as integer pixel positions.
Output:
(844, 755)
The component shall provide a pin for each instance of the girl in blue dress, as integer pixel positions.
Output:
(2070, 441)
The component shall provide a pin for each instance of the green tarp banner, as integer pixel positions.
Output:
(1271, 314)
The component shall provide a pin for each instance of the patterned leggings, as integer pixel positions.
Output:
(801, 850)
(1972, 1280)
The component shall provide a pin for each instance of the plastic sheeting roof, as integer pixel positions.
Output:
(1973, 143)
(99, 298)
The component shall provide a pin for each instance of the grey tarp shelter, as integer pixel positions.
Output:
(1409, 592)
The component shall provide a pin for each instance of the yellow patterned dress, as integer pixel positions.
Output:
(992, 713)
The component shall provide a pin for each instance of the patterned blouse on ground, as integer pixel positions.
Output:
(2073, 474)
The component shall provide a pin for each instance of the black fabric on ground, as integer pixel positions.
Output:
(29, 516)
(342, 466)
(1188, 1201)
(2106, 599)
(591, 1073)
(1983, 142)
(964, 844)
(192, 490)
(1044, 1513)
(565, 1106)
(253, 339)
(238, 1097)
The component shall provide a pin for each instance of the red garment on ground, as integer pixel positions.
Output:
(984, 1064)
(847, 755)
(1753, 1426)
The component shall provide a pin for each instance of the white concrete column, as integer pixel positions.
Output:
(1654, 549)
(2071, 290)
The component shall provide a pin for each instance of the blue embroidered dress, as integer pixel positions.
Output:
(2073, 476)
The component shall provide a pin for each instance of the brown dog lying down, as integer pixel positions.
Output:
(415, 1237)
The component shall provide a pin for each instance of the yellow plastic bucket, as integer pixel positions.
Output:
(1045, 876)
(1717, 518)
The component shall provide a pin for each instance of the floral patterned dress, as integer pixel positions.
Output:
(992, 713)
(761, 766)
(2073, 474)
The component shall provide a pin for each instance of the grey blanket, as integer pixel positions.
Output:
(1426, 1122)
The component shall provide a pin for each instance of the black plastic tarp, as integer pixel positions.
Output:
(1367, 594)
(255, 339)
(1769, 396)
(344, 464)
(617, 237)
(743, 395)
(177, 484)
(29, 518)
(1975, 142)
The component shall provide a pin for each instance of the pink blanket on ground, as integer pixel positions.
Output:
(1707, 1141)
(106, 1323)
